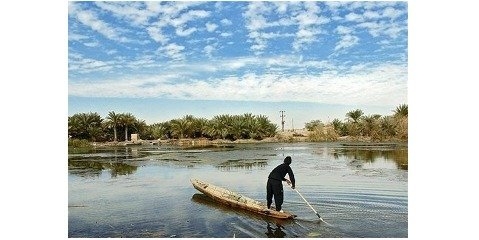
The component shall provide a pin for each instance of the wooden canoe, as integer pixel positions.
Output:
(236, 200)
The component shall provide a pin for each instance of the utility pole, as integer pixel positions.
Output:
(282, 120)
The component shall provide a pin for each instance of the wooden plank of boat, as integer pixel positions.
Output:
(236, 200)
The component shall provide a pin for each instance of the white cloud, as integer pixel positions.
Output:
(210, 27)
(188, 16)
(309, 22)
(80, 64)
(385, 84)
(90, 19)
(371, 15)
(72, 8)
(343, 30)
(157, 35)
(92, 44)
(226, 22)
(258, 22)
(354, 17)
(226, 34)
(76, 37)
(255, 22)
(163, 14)
(392, 13)
(305, 36)
(144, 61)
(392, 30)
(111, 52)
(281, 7)
(134, 12)
(185, 32)
(173, 51)
(346, 41)
(209, 49)
(373, 28)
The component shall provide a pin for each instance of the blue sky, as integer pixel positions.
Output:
(163, 60)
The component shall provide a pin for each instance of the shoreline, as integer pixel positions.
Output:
(282, 137)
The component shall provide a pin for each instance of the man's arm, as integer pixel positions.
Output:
(291, 177)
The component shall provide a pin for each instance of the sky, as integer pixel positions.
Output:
(164, 60)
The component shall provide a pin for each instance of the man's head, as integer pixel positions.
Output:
(287, 160)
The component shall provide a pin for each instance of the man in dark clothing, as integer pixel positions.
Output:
(274, 187)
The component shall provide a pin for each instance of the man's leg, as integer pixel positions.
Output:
(269, 194)
(278, 195)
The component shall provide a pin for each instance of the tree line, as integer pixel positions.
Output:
(92, 127)
(119, 126)
(357, 125)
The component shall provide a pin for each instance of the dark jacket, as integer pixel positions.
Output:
(280, 171)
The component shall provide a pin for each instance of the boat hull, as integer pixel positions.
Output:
(232, 199)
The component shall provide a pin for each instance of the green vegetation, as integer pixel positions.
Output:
(373, 128)
(90, 127)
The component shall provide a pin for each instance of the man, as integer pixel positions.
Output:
(274, 187)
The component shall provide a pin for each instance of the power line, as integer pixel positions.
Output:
(282, 120)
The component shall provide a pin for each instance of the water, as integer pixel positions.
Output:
(145, 191)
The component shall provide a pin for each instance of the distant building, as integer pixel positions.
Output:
(135, 137)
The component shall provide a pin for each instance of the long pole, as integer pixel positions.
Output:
(317, 214)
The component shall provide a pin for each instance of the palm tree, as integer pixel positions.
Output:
(313, 124)
(401, 111)
(199, 127)
(140, 126)
(190, 125)
(179, 127)
(216, 128)
(220, 126)
(113, 121)
(353, 126)
(85, 126)
(127, 119)
(249, 125)
(237, 127)
(387, 126)
(370, 125)
(158, 130)
(354, 115)
(264, 127)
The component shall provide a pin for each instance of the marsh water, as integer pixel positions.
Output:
(145, 191)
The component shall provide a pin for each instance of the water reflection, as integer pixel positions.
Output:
(398, 155)
(114, 153)
(95, 168)
(239, 164)
(207, 201)
(275, 232)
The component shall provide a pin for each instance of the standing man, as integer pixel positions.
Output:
(274, 187)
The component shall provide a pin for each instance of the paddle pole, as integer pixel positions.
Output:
(301, 195)
(317, 214)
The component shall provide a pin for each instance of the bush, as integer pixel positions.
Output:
(323, 134)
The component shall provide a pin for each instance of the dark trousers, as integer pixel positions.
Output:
(274, 188)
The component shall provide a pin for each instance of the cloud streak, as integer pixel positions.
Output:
(386, 83)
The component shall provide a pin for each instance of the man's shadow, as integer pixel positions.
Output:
(275, 232)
